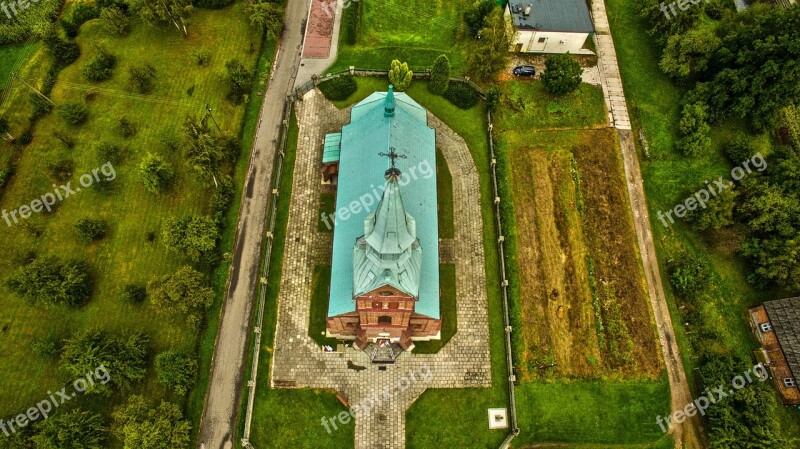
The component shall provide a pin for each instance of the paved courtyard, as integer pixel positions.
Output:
(299, 363)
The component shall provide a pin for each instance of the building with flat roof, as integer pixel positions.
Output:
(385, 268)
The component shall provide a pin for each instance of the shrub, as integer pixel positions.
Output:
(339, 88)
(123, 358)
(201, 57)
(91, 229)
(126, 128)
(212, 4)
(61, 170)
(101, 66)
(688, 275)
(5, 175)
(141, 78)
(54, 281)
(177, 370)
(25, 138)
(562, 74)
(156, 173)
(134, 293)
(39, 105)
(222, 198)
(475, 15)
(114, 21)
(695, 128)
(740, 150)
(462, 95)
(240, 80)
(185, 292)
(139, 425)
(440, 76)
(351, 23)
(73, 113)
(62, 52)
(108, 152)
(492, 98)
(81, 13)
(400, 76)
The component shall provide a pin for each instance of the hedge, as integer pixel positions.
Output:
(339, 88)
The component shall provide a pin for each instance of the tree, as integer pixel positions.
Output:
(491, 53)
(114, 21)
(185, 292)
(688, 275)
(400, 76)
(141, 426)
(267, 16)
(177, 370)
(240, 80)
(62, 52)
(695, 128)
(4, 127)
(661, 26)
(754, 73)
(156, 173)
(718, 212)
(91, 229)
(100, 67)
(440, 76)
(475, 15)
(65, 430)
(687, 55)
(54, 281)
(134, 293)
(141, 78)
(164, 12)
(73, 113)
(562, 74)
(124, 359)
(194, 237)
(204, 152)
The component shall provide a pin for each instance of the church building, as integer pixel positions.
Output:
(384, 287)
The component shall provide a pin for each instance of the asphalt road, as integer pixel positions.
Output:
(218, 424)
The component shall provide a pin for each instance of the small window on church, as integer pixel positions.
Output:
(385, 319)
(541, 40)
(766, 327)
(377, 304)
(789, 382)
(394, 305)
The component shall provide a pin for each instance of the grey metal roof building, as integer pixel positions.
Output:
(784, 314)
(570, 16)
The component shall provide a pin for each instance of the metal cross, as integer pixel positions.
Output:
(392, 154)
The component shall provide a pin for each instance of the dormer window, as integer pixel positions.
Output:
(766, 327)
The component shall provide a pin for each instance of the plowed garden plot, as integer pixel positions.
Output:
(584, 301)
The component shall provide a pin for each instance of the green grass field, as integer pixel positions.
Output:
(413, 31)
(11, 59)
(125, 255)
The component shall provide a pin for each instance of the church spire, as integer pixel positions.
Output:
(388, 103)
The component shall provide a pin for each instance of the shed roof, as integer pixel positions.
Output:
(361, 186)
(784, 314)
(332, 148)
(552, 15)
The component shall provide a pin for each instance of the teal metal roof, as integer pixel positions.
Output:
(361, 192)
(332, 147)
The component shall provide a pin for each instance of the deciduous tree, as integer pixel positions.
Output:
(562, 74)
(185, 292)
(141, 426)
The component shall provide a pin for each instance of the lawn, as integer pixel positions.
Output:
(279, 413)
(447, 306)
(526, 105)
(11, 59)
(126, 255)
(319, 305)
(592, 411)
(413, 31)
(444, 193)
(668, 176)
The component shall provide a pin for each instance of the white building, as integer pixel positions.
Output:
(549, 26)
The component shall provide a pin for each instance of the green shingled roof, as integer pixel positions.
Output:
(360, 191)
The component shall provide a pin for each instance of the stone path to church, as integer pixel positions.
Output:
(299, 363)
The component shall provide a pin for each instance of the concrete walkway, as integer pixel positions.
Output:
(317, 66)
(688, 434)
(218, 424)
(298, 362)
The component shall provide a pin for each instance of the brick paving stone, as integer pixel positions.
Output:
(298, 362)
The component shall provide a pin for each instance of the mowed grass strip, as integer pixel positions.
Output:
(126, 255)
(593, 412)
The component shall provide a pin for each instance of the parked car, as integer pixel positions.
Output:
(525, 70)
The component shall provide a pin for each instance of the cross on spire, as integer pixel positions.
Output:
(392, 154)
